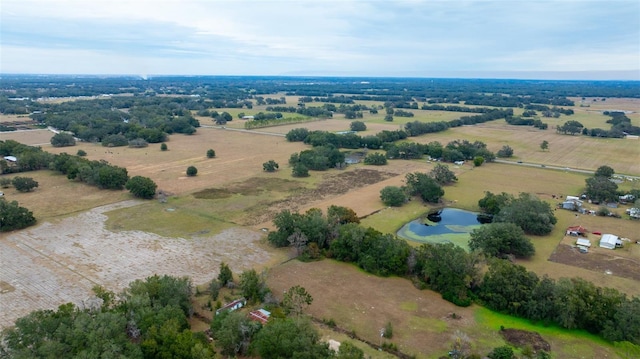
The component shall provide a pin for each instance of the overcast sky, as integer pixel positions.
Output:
(516, 39)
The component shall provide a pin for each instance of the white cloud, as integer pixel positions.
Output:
(331, 37)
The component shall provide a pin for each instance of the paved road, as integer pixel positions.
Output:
(557, 168)
(244, 130)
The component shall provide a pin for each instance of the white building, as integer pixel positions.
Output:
(610, 241)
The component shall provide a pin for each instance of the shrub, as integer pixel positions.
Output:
(300, 170)
(192, 171)
(24, 184)
(142, 187)
(211, 153)
(393, 196)
(138, 143)
(81, 153)
(270, 166)
(376, 159)
(115, 141)
(163, 147)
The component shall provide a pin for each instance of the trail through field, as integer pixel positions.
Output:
(55, 263)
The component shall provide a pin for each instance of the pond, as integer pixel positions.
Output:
(452, 225)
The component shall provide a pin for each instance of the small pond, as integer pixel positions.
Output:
(451, 225)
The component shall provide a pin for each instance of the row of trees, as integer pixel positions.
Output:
(458, 275)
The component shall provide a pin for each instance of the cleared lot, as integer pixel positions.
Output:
(55, 263)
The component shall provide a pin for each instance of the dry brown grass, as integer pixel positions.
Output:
(365, 303)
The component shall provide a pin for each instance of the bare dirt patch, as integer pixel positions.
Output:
(523, 338)
(332, 185)
(597, 261)
(56, 263)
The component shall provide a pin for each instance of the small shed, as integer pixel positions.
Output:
(260, 315)
(610, 241)
(230, 307)
(572, 205)
(583, 242)
(576, 231)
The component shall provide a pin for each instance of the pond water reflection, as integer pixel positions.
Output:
(454, 226)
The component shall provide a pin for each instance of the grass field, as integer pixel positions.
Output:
(232, 191)
(422, 321)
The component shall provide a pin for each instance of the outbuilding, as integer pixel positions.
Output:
(583, 242)
(610, 241)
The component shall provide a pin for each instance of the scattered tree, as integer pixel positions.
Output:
(234, 333)
(503, 352)
(288, 339)
(252, 286)
(505, 151)
(63, 140)
(393, 196)
(376, 159)
(544, 145)
(529, 213)
(12, 216)
(601, 189)
(349, 351)
(81, 153)
(226, 275)
(211, 153)
(24, 184)
(270, 166)
(300, 170)
(388, 331)
(424, 186)
(478, 161)
(192, 171)
(163, 147)
(501, 239)
(142, 187)
(604, 171)
(296, 300)
(358, 126)
(442, 174)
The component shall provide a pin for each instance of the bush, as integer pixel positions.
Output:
(138, 143)
(270, 166)
(358, 126)
(393, 196)
(211, 153)
(376, 159)
(5, 182)
(142, 187)
(300, 170)
(192, 171)
(81, 153)
(163, 147)
(115, 141)
(24, 184)
(12, 216)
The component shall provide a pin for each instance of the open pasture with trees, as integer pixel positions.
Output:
(424, 324)
(215, 216)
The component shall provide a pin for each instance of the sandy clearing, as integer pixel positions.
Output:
(55, 263)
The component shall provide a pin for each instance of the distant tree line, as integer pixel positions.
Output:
(521, 121)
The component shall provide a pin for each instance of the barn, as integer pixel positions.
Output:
(610, 241)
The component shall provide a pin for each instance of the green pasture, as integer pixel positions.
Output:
(565, 343)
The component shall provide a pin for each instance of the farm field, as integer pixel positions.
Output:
(218, 216)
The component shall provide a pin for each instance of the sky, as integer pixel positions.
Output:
(550, 39)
